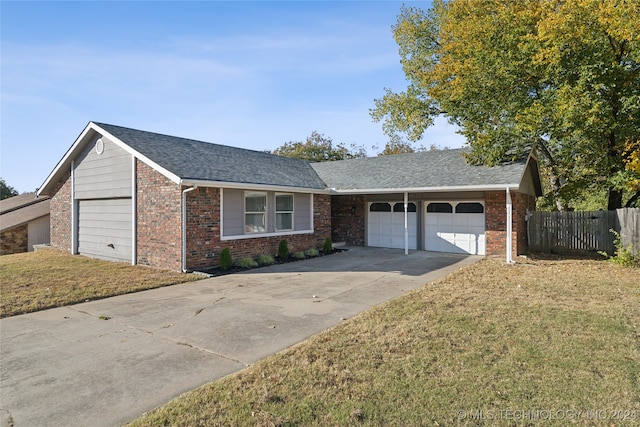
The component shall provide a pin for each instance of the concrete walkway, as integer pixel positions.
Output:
(106, 362)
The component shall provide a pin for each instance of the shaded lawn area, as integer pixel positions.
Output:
(542, 342)
(49, 278)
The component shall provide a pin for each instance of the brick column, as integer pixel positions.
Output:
(60, 219)
(159, 223)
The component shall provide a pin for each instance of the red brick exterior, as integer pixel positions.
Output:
(203, 231)
(15, 240)
(60, 219)
(348, 219)
(159, 219)
(203, 227)
(496, 222)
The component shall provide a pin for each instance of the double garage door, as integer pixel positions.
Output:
(104, 229)
(457, 227)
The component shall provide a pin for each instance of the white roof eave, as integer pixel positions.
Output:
(251, 186)
(496, 187)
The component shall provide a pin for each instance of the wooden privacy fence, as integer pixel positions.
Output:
(582, 232)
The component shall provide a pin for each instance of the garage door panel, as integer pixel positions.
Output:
(456, 232)
(386, 229)
(105, 228)
(110, 234)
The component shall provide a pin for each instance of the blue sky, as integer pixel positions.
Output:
(246, 74)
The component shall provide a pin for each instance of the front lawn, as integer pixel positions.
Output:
(541, 342)
(44, 279)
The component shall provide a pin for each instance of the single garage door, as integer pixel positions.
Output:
(104, 229)
(456, 227)
(385, 225)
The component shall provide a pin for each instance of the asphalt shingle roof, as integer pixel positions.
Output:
(428, 169)
(197, 160)
(21, 209)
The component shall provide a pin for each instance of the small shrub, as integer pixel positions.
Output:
(266, 260)
(328, 246)
(625, 256)
(225, 260)
(311, 252)
(299, 255)
(283, 249)
(246, 262)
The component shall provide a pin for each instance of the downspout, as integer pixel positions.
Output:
(134, 213)
(74, 211)
(184, 226)
(406, 223)
(509, 259)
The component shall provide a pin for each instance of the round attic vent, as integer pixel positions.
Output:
(100, 146)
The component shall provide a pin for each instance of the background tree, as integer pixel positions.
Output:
(396, 145)
(561, 77)
(318, 148)
(6, 191)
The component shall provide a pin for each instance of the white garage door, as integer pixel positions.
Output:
(385, 225)
(104, 229)
(456, 227)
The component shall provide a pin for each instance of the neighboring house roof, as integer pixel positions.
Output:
(440, 170)
(189, 162)
(21, 209)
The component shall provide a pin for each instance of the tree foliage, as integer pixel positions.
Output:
(318, 148)
(6, 190)
(561, 77)
(396, 145)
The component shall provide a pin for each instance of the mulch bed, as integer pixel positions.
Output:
(217, 271)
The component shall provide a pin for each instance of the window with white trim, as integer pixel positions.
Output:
(255, 212)
(284, 212)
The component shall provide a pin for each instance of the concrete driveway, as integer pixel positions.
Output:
(106, 362)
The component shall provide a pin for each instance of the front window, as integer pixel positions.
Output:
(284, 212)
(255, 209)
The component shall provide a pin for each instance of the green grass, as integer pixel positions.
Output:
(489, 339)
(45, 279)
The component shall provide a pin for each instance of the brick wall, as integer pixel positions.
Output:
(521, 203)
(203, 231)
(203, 227)
(15, 240)
(159, 227)
(496, 222)
(347, 219)
(60, 218)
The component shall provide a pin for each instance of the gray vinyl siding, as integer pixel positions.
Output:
(102, 223)
(302, 211)
(233, 212)
(103, 176)
(38, 232)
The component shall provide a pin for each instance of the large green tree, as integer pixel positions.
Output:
(319, 148)
(561, 77)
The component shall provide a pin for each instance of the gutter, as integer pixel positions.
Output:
(184, 226)
(253, 186)
(424, 189)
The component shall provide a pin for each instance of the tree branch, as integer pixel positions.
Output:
(632, 200)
